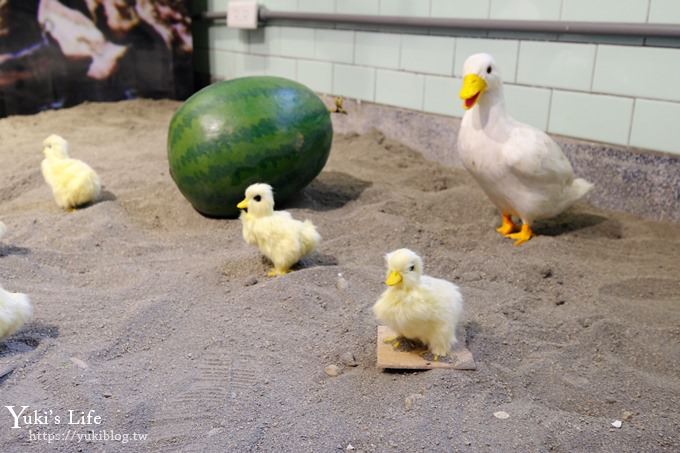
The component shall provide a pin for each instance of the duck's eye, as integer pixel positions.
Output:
(411, 267)
(257, 198)
(488, 70)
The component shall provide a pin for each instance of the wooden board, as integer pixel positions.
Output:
(460, 357)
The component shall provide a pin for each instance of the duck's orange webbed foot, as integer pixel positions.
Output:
(507, 226)
(523, 236)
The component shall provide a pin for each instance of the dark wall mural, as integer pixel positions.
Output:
(58, 53)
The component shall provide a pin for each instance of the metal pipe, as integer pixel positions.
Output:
(525, 26)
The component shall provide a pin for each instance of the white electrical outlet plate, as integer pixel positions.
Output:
(242, 14)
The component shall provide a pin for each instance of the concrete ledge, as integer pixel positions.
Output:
(640, 182)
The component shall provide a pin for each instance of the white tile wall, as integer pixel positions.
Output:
(463, 9)
(405, 7)
(357, 6)
(655, 125)
(377, 49)
(664, 11)
(591, 116)
(441, 96)
(427, 54)
(296, 42)
(638, 71)
(620, 92)
(403, 89)
(559, 65)
(334, 45)
(354, 81)
(317, 75)
(528, 104)
(605, 10)
(525, 9)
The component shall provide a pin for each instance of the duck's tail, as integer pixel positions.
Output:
(579, 187)
(3, 229)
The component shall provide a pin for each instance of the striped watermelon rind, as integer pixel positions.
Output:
(254, 129)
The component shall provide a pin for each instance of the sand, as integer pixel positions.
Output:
(162, 322)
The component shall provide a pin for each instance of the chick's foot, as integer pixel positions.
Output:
(277, 272)
(394, 341)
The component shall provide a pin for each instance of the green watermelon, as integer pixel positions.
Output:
(254, 129)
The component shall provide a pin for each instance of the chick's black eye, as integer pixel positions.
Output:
(488, 70)
(411, 268)
(257, 198)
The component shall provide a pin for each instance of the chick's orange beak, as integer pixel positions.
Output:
(472, 88)
(393, 278)
(243, 204)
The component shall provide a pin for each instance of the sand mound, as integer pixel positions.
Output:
(162, 321)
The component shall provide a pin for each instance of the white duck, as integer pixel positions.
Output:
(520, 168)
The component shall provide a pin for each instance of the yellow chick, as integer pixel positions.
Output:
(520, 168)
(15, 310)
(338, 106)
(73, 182)
(279, 237)
(419, 307)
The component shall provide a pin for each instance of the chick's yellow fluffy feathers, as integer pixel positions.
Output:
(15, 310)
(279, 237)
(73, 182)
(419, 307)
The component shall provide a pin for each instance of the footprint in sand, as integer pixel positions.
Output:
(20, 347)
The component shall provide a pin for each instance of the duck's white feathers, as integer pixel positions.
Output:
(520, 168)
